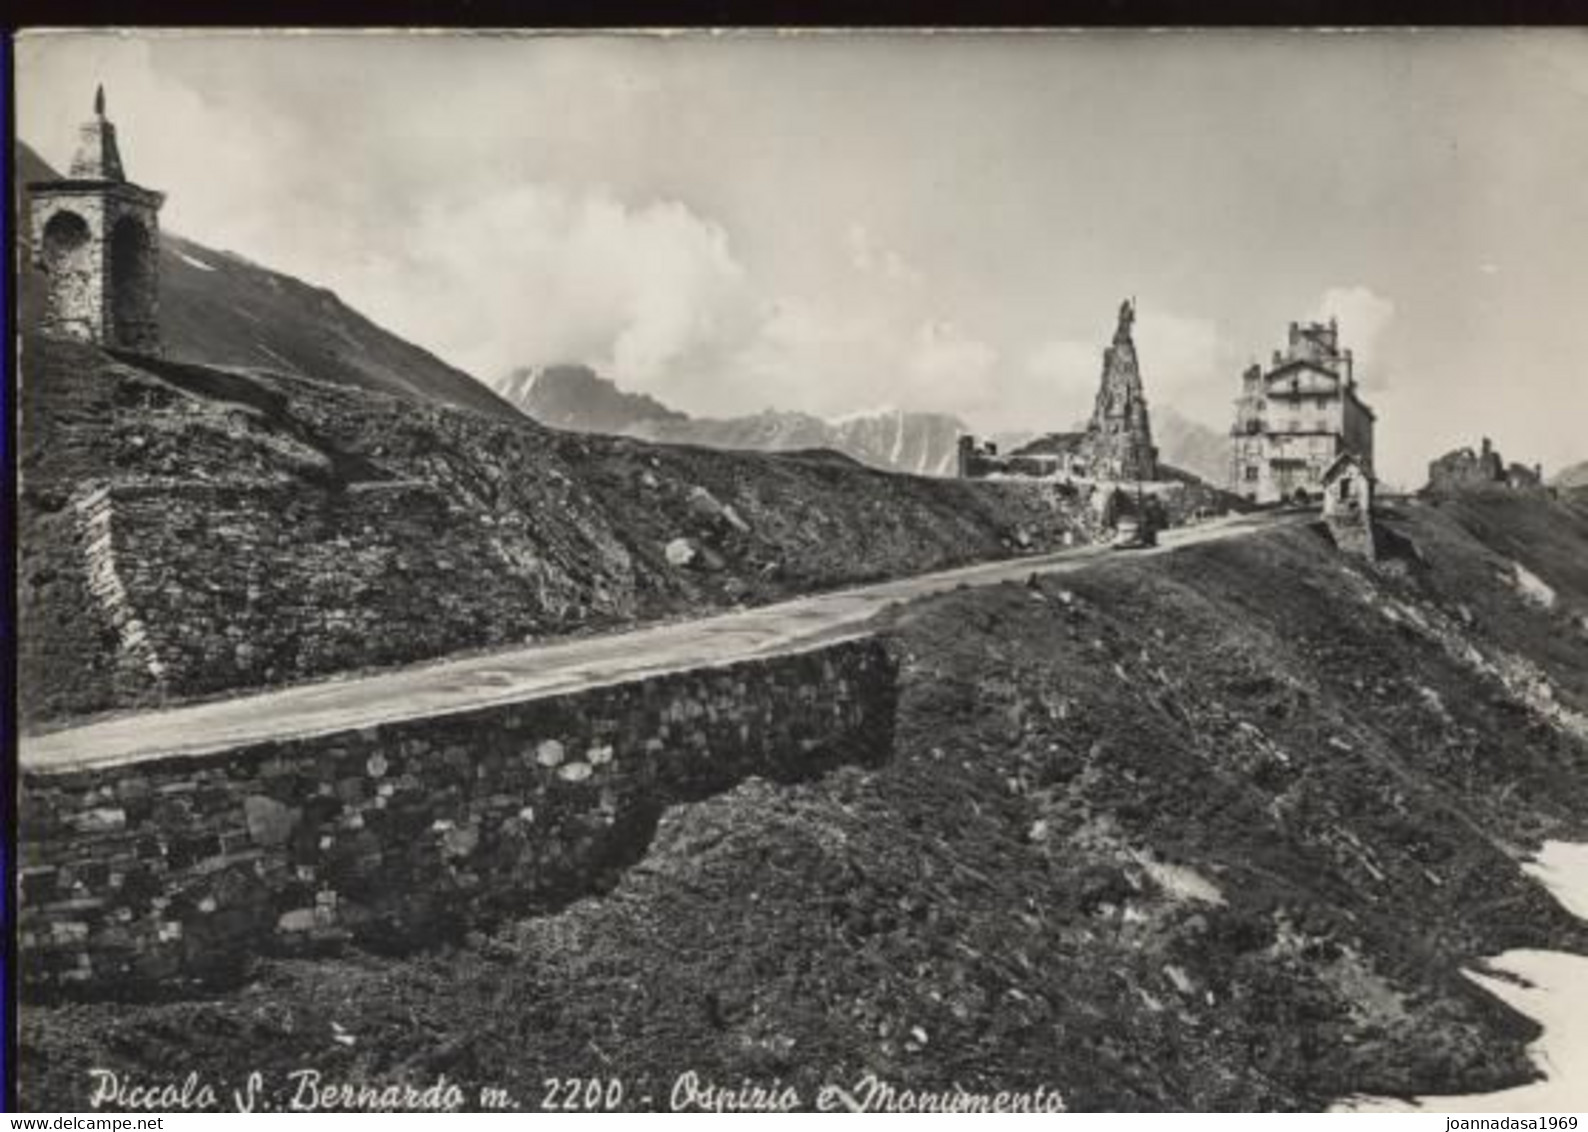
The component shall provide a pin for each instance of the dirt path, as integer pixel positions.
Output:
(439, 688)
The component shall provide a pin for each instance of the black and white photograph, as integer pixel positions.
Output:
(761, 570)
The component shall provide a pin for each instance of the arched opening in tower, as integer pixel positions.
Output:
(68, 261)
(132, 284)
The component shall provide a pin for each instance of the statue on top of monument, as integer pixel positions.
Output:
(1127, 318)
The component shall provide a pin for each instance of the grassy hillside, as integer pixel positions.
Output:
(220, 308)
(190, 530)
(1216, 831)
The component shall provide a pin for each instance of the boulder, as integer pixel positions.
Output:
(708, 506)
(682, 552)
(269, 822)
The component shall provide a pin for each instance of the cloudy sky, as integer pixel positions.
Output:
(839, 222)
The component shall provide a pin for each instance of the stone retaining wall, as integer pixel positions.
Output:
(156, 874)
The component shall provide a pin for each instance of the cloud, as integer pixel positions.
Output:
(1064, 372)
(1184, 362)
(866, 257)
(943, 355)
(826, 358)
(1178, 353)
(1365, 318)
(157, 121)
(651, 294)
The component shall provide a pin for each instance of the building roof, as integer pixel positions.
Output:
(1301, 363)
(1347, 389)
(97, 158)
(1343, 461)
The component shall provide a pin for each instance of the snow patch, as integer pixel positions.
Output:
(194, 262)
(1180, 882)
(519, 386)
(868, 414)
(284, 361)
(1532, 587)
(1562, 867)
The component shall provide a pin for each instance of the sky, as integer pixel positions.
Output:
(840, 222)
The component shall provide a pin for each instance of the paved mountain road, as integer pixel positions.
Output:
(532, 671)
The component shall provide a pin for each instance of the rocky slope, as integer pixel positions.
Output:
(188, 530)
(1571, 478)
(1212, 831)
(576, 397)
(220, 308)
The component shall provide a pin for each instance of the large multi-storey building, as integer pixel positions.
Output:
(1294, 419)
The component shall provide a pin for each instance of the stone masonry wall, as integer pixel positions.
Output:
(74, 261)
(93, 514)
(148, 876)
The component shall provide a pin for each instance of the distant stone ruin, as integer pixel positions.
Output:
(96, 236)
(1116, 444)
(1463, 470)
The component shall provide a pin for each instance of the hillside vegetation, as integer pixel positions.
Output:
(220, 308)
(1216, 830)
(188, 530)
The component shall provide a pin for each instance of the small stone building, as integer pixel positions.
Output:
(96, 237)
(1348, 486)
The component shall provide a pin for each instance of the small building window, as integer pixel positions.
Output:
(1251, 471)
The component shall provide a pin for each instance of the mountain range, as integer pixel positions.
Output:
(224, 309)
(576, 397)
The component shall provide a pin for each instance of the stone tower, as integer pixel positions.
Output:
(96, 237)
(1120, 433)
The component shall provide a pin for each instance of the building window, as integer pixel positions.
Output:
(1295, 426)
(1251, 471)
